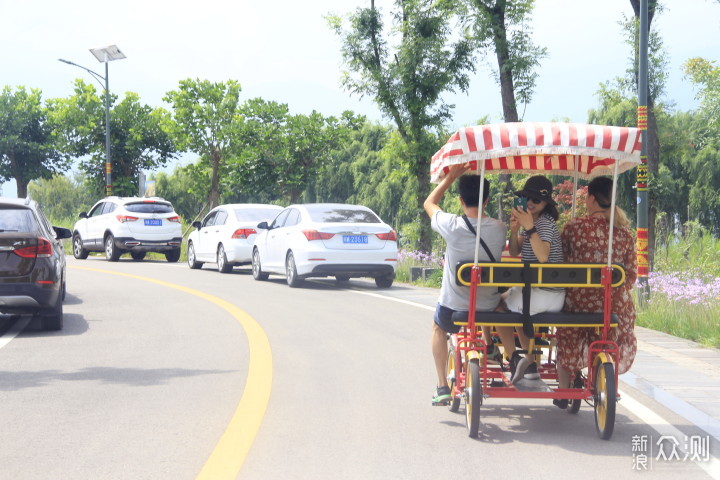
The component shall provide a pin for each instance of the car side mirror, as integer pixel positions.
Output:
(196, 224)
(61, 233)
(263, 225)
(82, 215)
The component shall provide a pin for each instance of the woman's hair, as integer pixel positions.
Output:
(601, 189)
(552, 211)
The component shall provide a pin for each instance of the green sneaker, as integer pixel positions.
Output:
(441, 396)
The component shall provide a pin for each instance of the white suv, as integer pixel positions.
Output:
(134, 225)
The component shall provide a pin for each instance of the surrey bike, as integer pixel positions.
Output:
(577, 150)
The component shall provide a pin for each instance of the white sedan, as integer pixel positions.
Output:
(226, 234)
(326, 239)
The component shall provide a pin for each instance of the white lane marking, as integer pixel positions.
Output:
(399, 300)
(712, 466)
(12, 332)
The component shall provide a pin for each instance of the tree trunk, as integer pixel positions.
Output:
(507, 91)
(214, 197)
(426, 235)
(22, 186)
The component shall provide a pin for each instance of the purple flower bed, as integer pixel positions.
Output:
(689, 288)
(420, 258)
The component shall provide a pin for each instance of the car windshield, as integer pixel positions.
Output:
(16, 220)
(255, 214)
(149, 207)
(341, 214)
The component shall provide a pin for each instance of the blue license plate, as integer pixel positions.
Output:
(355, 239)
(153, 222)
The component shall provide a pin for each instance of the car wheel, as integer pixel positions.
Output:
(222, 263)
(173, 255)
(78, 251)
(257, 272)
(385, 281)
(111, 251)
(293, 279)
(192, 262)
(52, 319)
(138, 256)
(342, 278)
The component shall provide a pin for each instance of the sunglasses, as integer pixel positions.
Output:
(534, 200)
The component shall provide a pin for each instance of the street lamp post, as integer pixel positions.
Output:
(104, 55)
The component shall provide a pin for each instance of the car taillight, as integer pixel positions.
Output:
(387, 236)
(315, 235)
(42, 249)
(174, 219)
(125, 218)
(243, 233)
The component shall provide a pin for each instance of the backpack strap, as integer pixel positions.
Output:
(484, 245)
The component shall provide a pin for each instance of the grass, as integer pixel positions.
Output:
(685, 289)
(409, 258)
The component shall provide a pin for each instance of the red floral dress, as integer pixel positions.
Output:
(585, 240)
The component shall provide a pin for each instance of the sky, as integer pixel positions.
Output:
(283, 50)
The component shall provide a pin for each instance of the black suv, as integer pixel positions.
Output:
(32, 263)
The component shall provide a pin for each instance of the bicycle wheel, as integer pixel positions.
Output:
(605, 399)
(451, 375)
(473, 398)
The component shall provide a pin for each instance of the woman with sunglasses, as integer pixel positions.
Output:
(539, 242)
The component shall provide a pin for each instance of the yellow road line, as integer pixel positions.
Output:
(231, 450)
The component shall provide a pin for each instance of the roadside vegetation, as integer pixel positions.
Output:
(685, 288)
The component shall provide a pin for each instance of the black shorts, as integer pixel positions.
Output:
(443, 319)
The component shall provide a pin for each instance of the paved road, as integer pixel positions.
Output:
(146, 379)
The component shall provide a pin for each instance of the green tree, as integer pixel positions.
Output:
(502, 27)
(138, 136)
(406, 69)
(186, 189)
(282, 154)
(705, 75)
(705, 140)
(207, 121)
(61, 197)
(28, 148)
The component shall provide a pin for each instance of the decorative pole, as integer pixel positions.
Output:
(642, 171)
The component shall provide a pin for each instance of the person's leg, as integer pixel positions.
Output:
(507, 337)
(440, 353)
(563, 376)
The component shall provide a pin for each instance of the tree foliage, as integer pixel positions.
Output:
(138, 136)
(28, 148)
(406, 69)
(705, 75)
(206, 122)
(62, 197)
(502, 27)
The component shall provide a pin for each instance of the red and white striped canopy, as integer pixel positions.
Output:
(550, 148)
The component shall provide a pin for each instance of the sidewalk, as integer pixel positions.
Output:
(679, 374)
